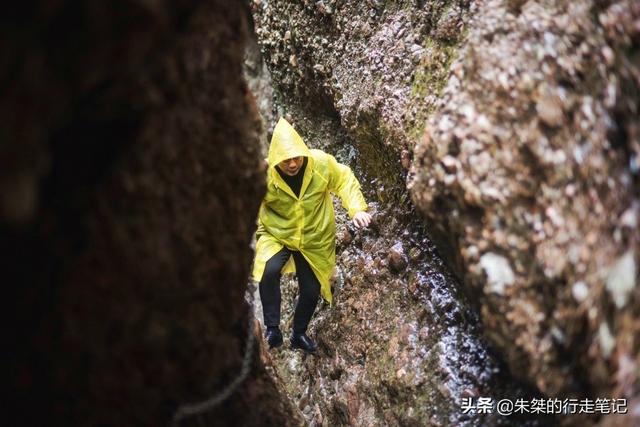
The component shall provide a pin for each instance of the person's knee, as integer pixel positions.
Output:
(310, 291)
(271, 273)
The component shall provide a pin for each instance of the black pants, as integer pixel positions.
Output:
(270, 290)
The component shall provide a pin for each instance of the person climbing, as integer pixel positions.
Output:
(296, 229)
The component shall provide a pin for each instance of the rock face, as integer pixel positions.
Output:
(129, 184)
(526, 169)
(529, 166)
(401, 346)
(377, 65)
(398, 347)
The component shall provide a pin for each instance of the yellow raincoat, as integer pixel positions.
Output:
(305, 223)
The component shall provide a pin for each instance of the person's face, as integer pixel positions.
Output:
(291, 166)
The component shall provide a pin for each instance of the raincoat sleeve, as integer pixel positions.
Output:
(260, 229)
(343, 182)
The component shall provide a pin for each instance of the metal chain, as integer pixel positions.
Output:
(198, 408)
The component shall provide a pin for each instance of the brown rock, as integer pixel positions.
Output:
(397, 258)
(540, 197)
(549, 108)
(405, 159)
(133, 214)
(343, 237)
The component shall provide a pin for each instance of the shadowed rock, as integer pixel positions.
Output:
(130, 179)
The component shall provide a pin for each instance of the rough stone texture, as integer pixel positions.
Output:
(527, 171)
(397, 348)
(378, 64)
(130, 179)
(259, 82)
(401, 346)
(529, 168)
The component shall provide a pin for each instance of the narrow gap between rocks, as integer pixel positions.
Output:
(402, 344)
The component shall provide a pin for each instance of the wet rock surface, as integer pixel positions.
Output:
(526, 170)
(401, 346)
(398, 347)
(378, 65)
(529, 167)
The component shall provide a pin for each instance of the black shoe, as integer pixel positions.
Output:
(302, 341)
(274, 337)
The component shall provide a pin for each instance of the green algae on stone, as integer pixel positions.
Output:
(429, 79)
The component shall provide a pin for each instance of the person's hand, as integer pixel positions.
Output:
(362, 219)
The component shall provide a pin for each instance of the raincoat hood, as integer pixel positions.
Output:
(285, 144)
